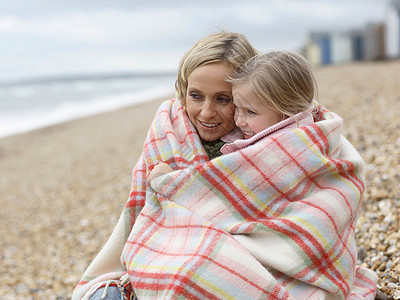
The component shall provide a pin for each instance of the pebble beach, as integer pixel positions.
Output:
(62, 188)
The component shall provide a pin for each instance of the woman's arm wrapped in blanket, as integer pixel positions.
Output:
(171, 139)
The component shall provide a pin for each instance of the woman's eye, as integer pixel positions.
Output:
(195, 96)
(224, 99)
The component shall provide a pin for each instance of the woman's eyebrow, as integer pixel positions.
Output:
(192, 88)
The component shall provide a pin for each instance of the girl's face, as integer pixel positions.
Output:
(252, 115)
(209, 101)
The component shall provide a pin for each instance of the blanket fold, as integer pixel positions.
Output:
(275, 220)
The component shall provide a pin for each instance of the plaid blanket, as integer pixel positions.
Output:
(275, 220)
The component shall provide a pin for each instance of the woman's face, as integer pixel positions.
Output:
(209, 101)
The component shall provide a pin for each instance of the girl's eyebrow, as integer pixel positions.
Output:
(240, 106)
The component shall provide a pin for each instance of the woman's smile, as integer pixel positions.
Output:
(209, 125)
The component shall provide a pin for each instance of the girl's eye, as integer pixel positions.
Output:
(250, 112)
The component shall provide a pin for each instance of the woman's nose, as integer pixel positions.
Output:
(208, 110)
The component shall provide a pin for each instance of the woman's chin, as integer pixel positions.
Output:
(210, 136)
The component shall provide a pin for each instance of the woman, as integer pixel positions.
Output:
(183, 133)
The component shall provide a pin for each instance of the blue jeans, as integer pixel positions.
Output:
(113, 293)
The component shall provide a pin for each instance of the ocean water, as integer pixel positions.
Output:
(26, 106)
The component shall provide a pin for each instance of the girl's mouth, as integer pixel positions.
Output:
(248, 134)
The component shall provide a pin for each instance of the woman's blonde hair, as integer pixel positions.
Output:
(284, 79)
(230, 47)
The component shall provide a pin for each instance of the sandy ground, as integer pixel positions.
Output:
(62, 188)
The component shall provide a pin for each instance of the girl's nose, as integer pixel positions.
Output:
(239, 119)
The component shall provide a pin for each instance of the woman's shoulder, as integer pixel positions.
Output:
(173, 102)
(170, 105)
(169, 102)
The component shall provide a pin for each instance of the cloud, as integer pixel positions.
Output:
(98, 35)
(254, 15)
(96, 27)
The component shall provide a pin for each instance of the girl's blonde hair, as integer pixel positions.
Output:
(230, 47)
(284, 79)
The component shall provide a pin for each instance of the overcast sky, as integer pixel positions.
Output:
(66, 37)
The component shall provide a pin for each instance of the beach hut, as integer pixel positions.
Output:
(312, 51)
(374, 35)
(341, 47)
(357, 45)
(325, 47)
(320, 44)
(393, 29)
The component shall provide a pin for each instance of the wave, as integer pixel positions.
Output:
(31, 107)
